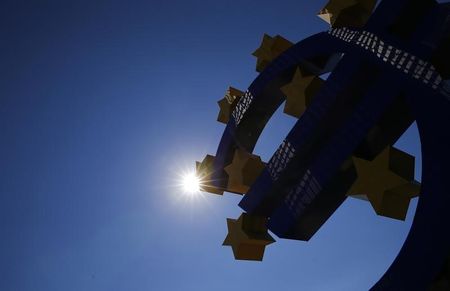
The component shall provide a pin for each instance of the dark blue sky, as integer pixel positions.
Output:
(103, 104)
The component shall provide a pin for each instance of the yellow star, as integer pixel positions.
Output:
(248, 237)
(204, 171)
(333, 8)
(243, 171)
(353, 13)
(387, 182)
(300, 92)
(228, 103)
(270, 48)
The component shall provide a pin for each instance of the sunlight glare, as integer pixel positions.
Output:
(191, 183)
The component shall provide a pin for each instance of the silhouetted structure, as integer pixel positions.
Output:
(388, 69)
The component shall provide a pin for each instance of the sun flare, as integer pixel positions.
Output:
(191, 183)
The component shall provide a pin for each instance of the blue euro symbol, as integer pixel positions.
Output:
(384, 75)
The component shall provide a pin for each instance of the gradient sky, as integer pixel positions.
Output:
(103, 104)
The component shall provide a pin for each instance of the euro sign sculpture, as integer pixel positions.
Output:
(388, 67)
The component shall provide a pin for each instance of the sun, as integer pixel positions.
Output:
(191, 183)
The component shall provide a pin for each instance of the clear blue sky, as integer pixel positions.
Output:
(103, 104)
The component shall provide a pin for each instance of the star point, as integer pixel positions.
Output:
(300, 92)
(243, 171)
(387, 182)
(228, 103)
(248, 237)
(204, 171)
(270, 48)
(347, 13)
